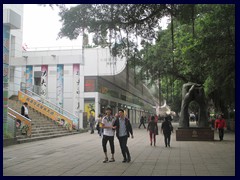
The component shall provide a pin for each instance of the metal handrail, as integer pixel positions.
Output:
(59, 109)
(23, 119)
(66, 113)
(19, 114)
(73, 118)
(35, 94)
(14, 117)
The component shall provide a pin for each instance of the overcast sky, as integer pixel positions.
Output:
(41, 26)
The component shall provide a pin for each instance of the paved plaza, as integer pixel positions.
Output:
(82, 155)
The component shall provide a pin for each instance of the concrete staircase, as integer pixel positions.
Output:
(42, 126)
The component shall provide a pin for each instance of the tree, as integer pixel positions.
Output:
(198, 46)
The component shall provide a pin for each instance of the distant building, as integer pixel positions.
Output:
(12, 41)
(76, 80)
(14, 13)
(90, 83)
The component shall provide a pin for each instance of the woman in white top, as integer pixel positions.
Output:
(108, 134)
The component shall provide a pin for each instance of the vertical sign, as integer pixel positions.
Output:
(89, 107)
(6, 35)
(76, 89)
(44, 79)
(29, 76)
(60, 85)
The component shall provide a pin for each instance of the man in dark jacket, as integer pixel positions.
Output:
(123, 130)
(142, 123)
(24, 110)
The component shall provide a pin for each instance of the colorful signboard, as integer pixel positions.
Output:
(89, 107)
(45, 110)
(6, 35)
(60, 85)
(44, 80)
(90, 85)
(76, 89)
(29, 77)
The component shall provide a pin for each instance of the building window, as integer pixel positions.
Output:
(11, 79)
(13, 46)
(123, 97)
(90, 85)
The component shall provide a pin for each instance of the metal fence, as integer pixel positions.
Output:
(10, 131)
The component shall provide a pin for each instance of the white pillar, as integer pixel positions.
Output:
(81, 96)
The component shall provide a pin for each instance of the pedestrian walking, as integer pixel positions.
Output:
(220, 125)
(153, 130)
(108, 134)
(24, 110)
(123, 130)
(91, 121)
(166, 129)
(99, 124)
(196, 117)
(142, 120)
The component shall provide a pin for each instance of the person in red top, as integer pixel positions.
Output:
(153, 130)
(220, 125)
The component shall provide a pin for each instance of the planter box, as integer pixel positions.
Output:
(10, 141)
(231, 125)
(194, 134)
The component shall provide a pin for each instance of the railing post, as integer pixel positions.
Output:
(58, 109)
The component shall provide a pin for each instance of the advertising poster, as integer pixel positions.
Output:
(29, 77)
(44, 79)
(6, 31)
(76, 88)
(60, 83)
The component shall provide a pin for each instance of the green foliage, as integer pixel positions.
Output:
(7, 135)
(199, 45)
(24, 129)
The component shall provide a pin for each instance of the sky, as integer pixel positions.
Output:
(41, 26)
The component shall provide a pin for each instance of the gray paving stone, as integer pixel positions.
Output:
(81, 155)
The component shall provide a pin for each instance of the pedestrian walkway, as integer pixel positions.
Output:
(82, 155)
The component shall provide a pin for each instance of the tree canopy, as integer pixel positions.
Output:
(198, 45)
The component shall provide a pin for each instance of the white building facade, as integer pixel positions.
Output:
(85, 81)
(12, 43)
(16, 74)
(80, 81)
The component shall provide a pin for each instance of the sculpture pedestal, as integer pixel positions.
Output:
(194, 134)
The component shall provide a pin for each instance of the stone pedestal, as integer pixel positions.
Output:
(194, 134)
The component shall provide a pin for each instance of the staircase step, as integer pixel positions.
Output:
(31, 139)
(43, 134)
(42, 127)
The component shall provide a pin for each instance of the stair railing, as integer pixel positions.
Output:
(31, 91)
(24, 123)
(49, 109)
(10, 131)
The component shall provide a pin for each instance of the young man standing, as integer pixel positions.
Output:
(123, 129)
